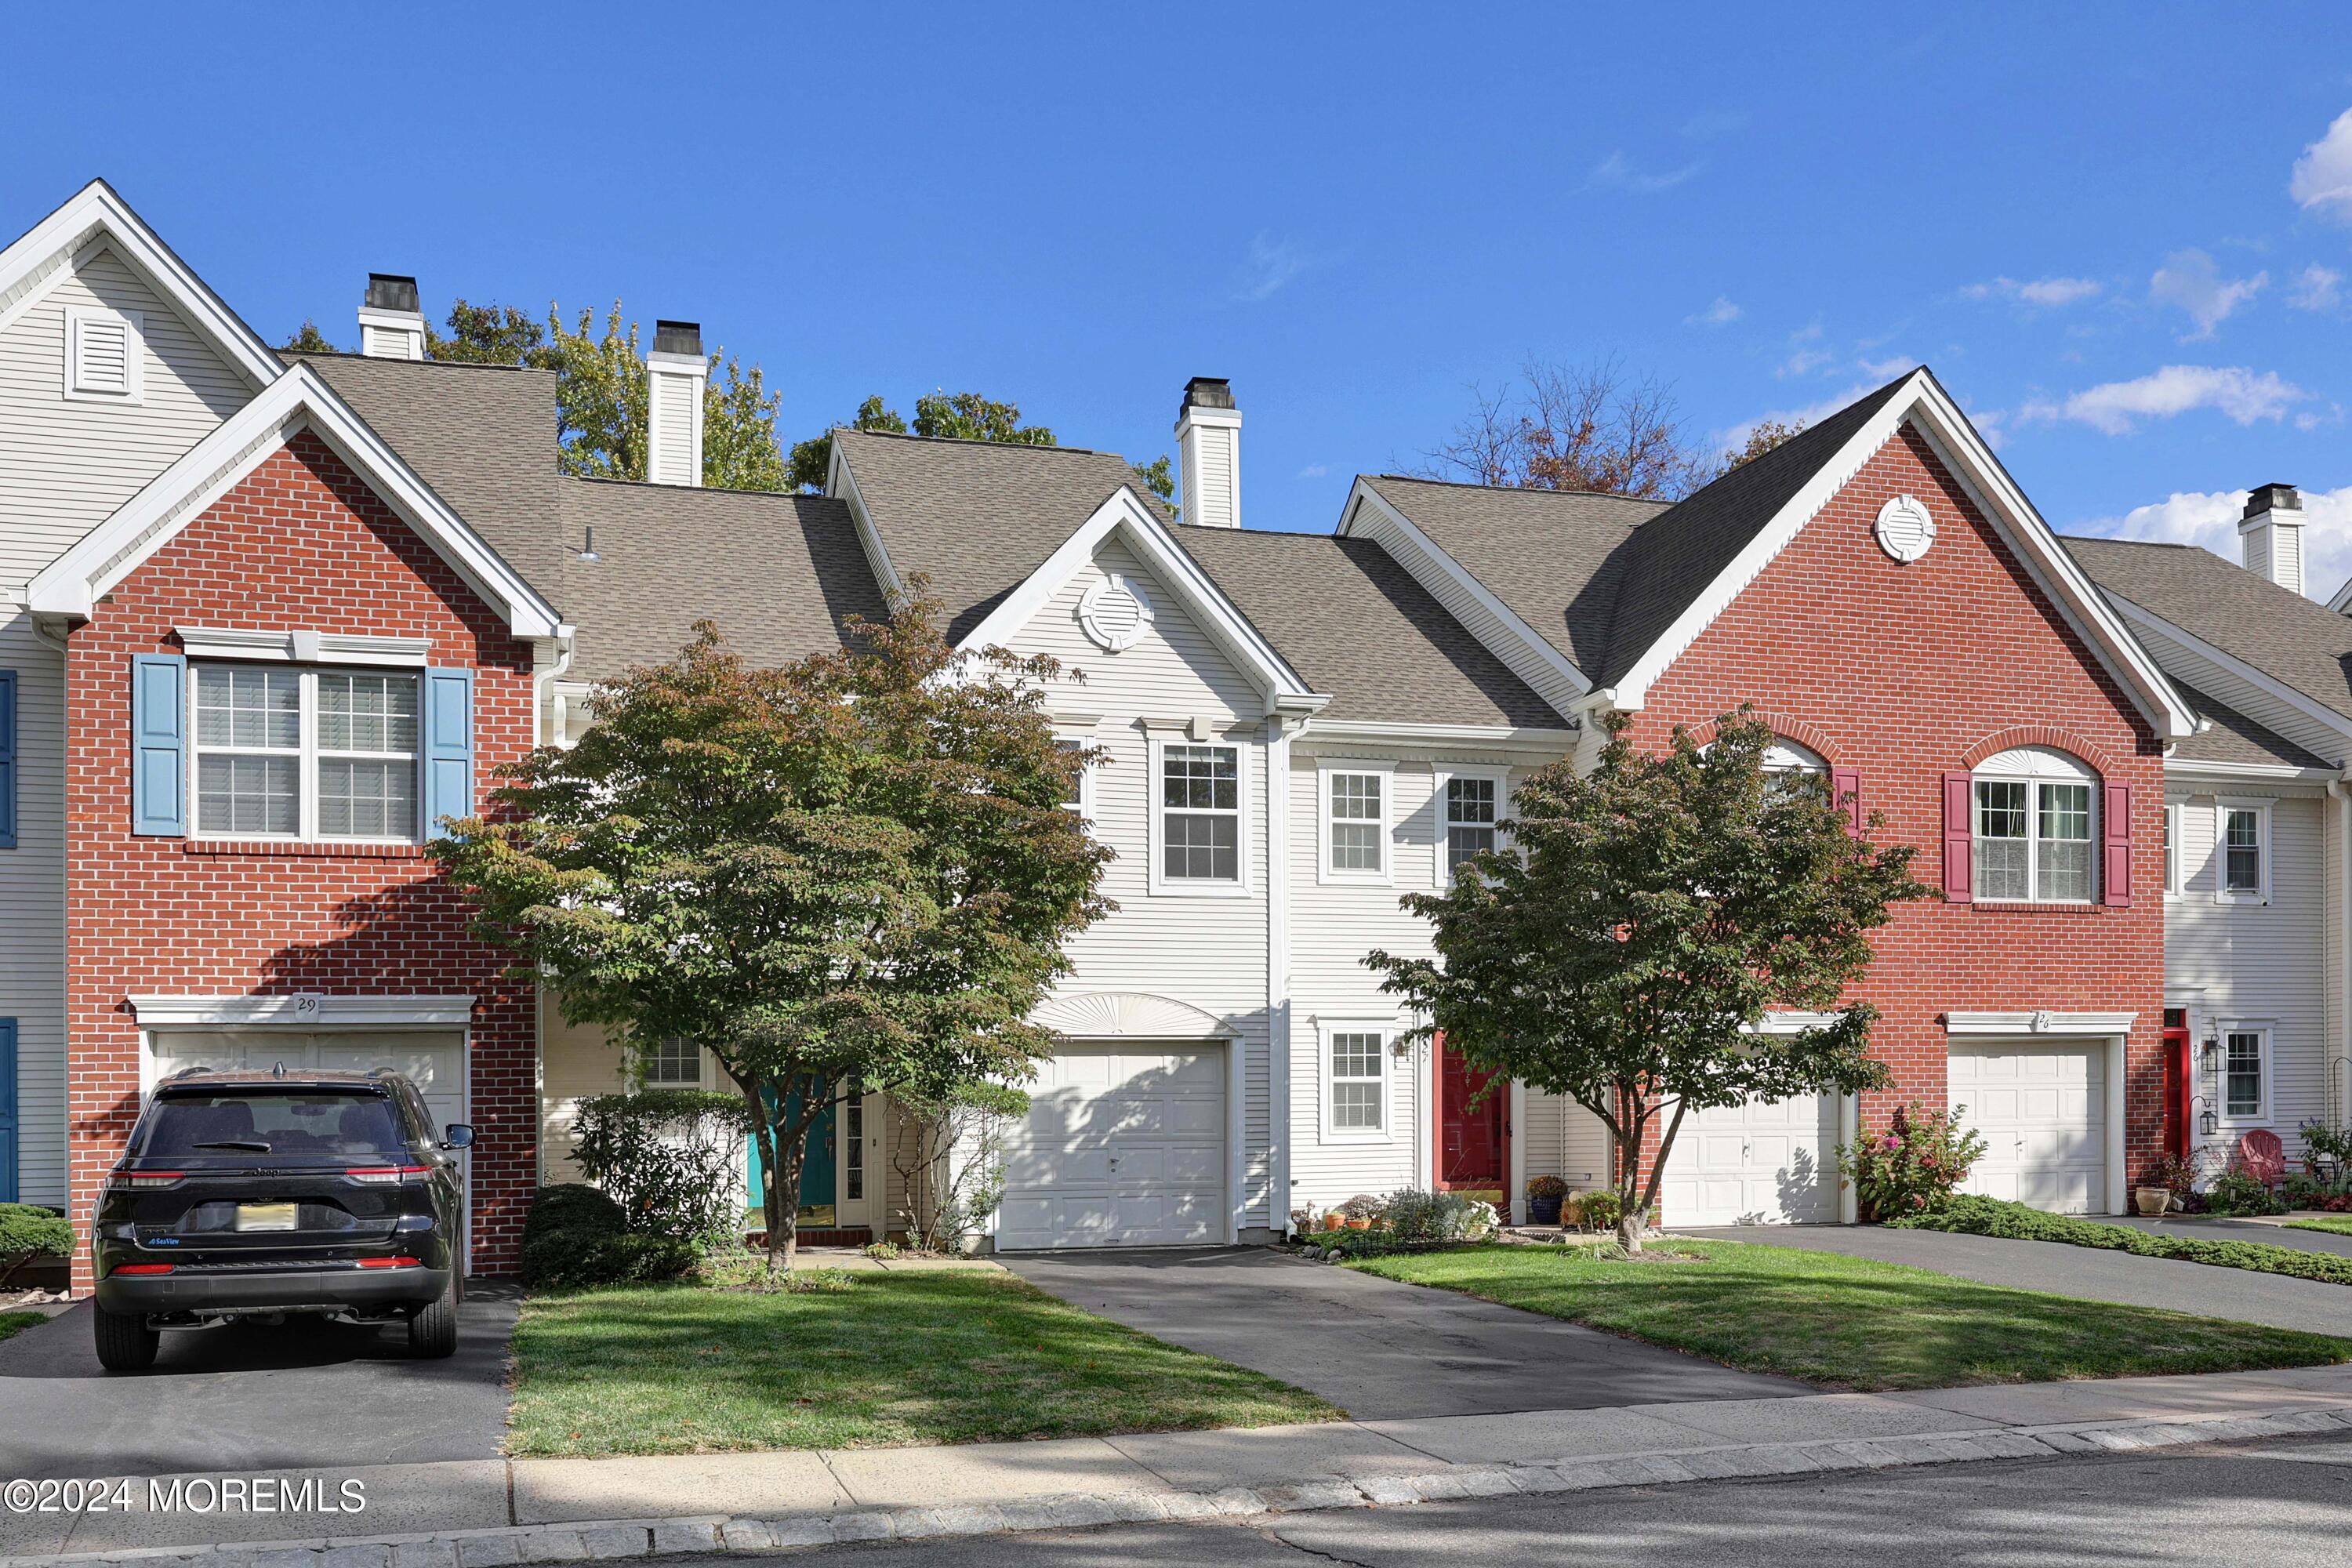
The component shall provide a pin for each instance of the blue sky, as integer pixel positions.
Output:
(2121, 234)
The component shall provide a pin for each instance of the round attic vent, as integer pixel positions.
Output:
(1115, 613)
(1906, 528)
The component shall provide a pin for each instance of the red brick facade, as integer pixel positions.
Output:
(300, 544)
(1908, 672)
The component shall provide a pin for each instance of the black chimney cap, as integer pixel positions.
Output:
(391, 291)
(678, 338)
(2263, 497)
(1208, 392)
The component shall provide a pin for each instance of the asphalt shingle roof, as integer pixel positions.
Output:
(2231, 737)
(2276, 629)
(1355, 624)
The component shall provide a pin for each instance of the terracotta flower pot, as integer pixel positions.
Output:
(2152, 1201)
(1360, 1224)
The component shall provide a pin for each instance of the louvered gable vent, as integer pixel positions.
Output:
(103, 355)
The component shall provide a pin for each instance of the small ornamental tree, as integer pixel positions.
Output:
(1624, 947)
(851, 875)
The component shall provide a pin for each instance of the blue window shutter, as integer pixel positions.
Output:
(7, 759)
(7, 1110)
(158, 744)
(448, 748)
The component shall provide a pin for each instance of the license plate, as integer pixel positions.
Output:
(265, 1217)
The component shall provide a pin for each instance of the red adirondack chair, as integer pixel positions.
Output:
(2262, 1156)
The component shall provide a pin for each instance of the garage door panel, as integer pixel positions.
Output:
(2041, 1110)
(1121, 1147)
(1764, 1162)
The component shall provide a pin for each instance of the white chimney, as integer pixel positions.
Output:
(674, 404)
(1209, 446)
(2271, 535)
(390, 325)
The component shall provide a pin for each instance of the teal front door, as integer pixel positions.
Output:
(817, 1179)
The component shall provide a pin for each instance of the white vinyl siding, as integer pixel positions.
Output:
(70, 462)
(677, 415)
(32, 911)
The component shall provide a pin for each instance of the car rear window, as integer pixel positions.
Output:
(273, 1122)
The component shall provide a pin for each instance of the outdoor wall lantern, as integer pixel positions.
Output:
(2207, 1122)
(2209, 1059)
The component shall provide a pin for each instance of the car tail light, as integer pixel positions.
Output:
(386, 1176)
(401, 1262)
(135, 1181)
(141, 1268)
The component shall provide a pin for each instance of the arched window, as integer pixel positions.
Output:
(1787, 756)
(2036, 828)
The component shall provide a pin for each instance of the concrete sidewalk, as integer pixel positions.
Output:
(473, 1514)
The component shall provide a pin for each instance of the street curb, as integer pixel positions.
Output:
(620, 1540)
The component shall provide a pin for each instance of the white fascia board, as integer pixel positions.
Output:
(298, 400)
(1125, 514)
(1517, 742)
(303, 1009)
(37, 261)
(841, 483)
(2269, 685)
(1921, 402)
(1364, 495)
(2039, 1024)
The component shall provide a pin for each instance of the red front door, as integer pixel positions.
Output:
(2176, 1082)
(1472, 1139)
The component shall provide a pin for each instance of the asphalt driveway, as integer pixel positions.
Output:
(2276, 1299)
(255, 1398)
(1378, 1349)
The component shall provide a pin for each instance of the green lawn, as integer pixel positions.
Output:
(2335, 1225)
(896, 1358)
(1853, 1322)
(18, 1323)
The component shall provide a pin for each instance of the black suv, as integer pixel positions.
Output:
(258, 1194)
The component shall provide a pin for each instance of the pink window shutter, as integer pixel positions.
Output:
(1846, 789)
(1960, 802)
(2115, 883)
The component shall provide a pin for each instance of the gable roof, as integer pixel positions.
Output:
(977, 518)
(42, 256)
(2277, 630)
(1356, 625)
(298, 400)
(2229, 736)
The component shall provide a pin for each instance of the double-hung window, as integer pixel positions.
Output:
(2172, 849)
(1356, 1104)
(305, 754)
(2242, 852)
(674, 1063)
(1355, 822)
(2245, 1074)
(1469, 808)
(1074, 793)
(2034, 833)
(1200, 815)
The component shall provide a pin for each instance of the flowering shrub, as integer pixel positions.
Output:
(2323, 1142)
(1411, 1215)
(1915, 1166)
(1599, 1209)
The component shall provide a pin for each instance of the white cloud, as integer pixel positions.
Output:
(2208, 518)
(1804, 361)
(1270, 263)
(1618, 171)
(1314, 470)
(1809, 415)
(2189, 279)
(2048, 293)
(2316, 288)
(2113, 406)
(1722, 313)
(2322, 180)
(1887, 369)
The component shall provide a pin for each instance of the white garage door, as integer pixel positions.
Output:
(2043, 1110)
(1769, 1162)
(436, 1059)
(1122, 1147)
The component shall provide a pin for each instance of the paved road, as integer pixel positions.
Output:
(2282, 1503)
(1377, 1349)
(2215, 1292)
(255, 1398)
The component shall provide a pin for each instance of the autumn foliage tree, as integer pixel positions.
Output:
(854, 874)
(1624, 947)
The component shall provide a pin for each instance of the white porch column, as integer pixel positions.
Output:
(1515, 1201)
(2118, 1196)
(1849, 1128)
(1278, 973)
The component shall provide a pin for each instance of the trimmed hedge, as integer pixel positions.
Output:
(575, 1235)
(2015, 1222)
(28, 1231)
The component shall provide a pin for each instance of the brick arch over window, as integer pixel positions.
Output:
(1787, 728)
(2047, 735)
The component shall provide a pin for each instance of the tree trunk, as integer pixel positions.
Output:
(784, 1197)
(1632, 1217)
(764, 1138)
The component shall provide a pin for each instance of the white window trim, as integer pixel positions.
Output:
(134, 355)
(701, 1074)
(1084, 741)
(1386, 1028)
(2176, 847)
(2262, 1029)
(1156, 811)
(2091, 781)
(1440, 878)
(305, 783)
(2264, 857)
(1325, 770)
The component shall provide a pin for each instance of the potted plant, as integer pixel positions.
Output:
(1544, 1194)
(2152, 1201)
